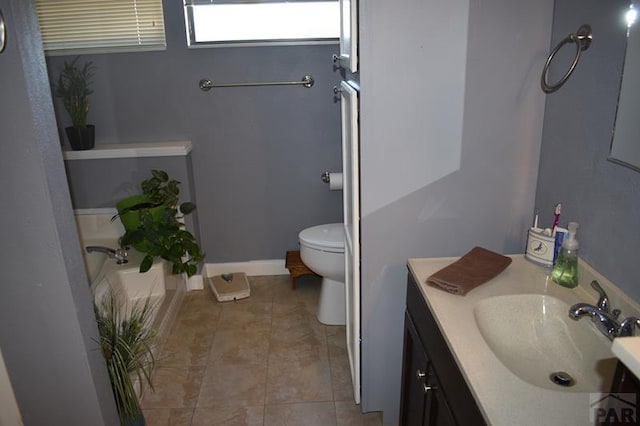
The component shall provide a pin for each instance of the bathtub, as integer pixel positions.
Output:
(128, 285)
(104, 274)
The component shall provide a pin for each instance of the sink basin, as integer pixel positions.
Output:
(533, 336)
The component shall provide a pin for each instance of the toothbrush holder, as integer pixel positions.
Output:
(540, 248)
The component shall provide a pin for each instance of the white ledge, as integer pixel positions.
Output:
(131, 150)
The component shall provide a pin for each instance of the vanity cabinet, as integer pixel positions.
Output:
(434, 391)
(624, 382)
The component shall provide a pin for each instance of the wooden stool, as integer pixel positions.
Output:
(296, 267)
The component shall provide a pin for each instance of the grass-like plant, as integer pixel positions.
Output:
(126, 337)
(74, 88)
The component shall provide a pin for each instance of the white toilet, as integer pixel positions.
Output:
(322, 250)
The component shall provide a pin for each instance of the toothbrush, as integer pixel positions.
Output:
(556, 218)
(535, 228)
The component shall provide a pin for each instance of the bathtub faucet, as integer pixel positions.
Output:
(119, 254)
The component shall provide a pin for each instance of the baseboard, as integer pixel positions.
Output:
(195, 282)
(251, 268)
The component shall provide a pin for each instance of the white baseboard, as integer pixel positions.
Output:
(195, 282)
(251, 268)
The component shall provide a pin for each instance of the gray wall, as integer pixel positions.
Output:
(104, 182)
(47, 327)
(487, 199)
(257, 152)
(602, 196)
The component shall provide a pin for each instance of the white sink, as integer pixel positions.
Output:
(533, 336)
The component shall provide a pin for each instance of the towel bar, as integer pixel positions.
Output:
(307, 81)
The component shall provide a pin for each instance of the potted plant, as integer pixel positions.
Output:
(126, 339)
(73, 89)
(153, 225)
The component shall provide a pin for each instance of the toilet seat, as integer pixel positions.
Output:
(329, 238)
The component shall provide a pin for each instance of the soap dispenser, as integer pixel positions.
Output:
(565, 271)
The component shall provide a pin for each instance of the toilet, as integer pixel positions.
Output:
(322, 250)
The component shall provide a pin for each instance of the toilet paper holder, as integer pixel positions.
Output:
(333, 179)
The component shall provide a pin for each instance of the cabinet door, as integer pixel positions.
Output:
(452, 395)
(622, 403)
(414, 377)
(351, 210)
(437, 412)
(349, 34)
(423, 403)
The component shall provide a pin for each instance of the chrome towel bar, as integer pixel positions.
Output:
(582, 38)
(307, 81)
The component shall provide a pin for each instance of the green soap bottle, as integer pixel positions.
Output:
(565, 271)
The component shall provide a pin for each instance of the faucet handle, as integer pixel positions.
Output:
(122, 245)
(627, 326)
(121, 256)
(603, 301)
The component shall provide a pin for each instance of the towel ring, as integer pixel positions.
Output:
(3, 33)
(582, 38)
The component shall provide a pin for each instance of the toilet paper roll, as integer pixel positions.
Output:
(335, 181)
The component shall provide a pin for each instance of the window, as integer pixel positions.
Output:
(237, 22)
(90, 26)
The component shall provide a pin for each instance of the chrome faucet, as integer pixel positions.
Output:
(119, 254)
(605, 321)
(627, 326)
(608, 325)
(603, 301)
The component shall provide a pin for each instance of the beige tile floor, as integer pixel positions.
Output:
(265, 360)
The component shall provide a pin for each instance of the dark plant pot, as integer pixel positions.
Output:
(81, 138)
(135, 421)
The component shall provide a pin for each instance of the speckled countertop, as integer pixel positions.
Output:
(627, 349)
(503, 397)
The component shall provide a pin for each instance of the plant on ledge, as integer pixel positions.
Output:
(153, 225)
(73, 88)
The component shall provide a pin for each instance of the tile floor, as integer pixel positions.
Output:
(265, 360)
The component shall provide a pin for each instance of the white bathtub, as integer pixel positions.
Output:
(166, 291)
(129, 286)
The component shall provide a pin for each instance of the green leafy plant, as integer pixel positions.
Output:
(73, 88)
(126, 340)
(163, 190)
(162, 233)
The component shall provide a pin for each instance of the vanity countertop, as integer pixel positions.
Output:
(503, 397)
(627, 349)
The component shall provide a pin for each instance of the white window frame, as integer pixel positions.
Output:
(190, 20)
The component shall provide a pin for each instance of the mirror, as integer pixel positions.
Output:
(625, 146)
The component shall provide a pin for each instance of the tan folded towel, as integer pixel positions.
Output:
(474, 268)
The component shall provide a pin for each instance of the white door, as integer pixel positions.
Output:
(351, 208)
(349, 34)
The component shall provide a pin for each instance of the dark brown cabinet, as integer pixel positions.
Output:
(434, 392)
(622, 403)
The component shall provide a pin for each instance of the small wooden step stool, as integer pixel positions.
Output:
(296, 267)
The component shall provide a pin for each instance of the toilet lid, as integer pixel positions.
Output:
(324, 237)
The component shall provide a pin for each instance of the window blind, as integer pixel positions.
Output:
(100, 26)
